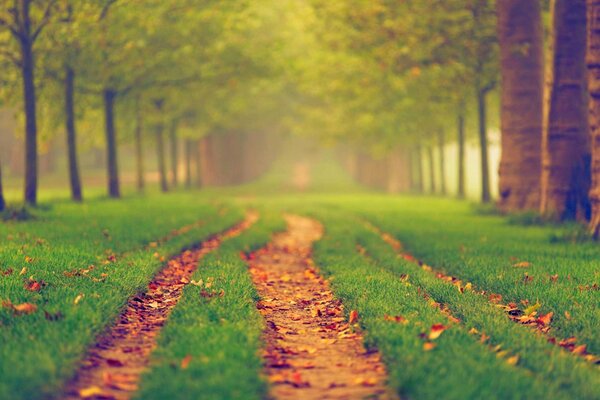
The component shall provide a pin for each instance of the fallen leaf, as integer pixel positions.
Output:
(428, 346)
(567, 315)
(545, 319)
(90, 391)
(581, 349)
(513, 360)
(25, 308)
(33, 286)
(353, 317)
(436, 331)
(369, 382)
(78, 299)
(23, 271)
(397, 318)
(186, 361)
(522, 264)
(531, 309)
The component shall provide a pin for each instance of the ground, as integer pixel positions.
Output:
(254, 293)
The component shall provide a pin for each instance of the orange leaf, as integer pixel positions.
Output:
(428, 346)
(545, 319)
(522, 264)
(513, 360)
(186, 361)
(353, 317)
(397, 318)
(91, 391)
(25, 308)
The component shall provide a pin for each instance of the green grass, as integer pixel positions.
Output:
(221, 334)
(67, 237)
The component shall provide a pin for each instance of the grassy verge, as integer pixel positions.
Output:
(75, 301)
(219, 335)
(523, 264)
(460, 365)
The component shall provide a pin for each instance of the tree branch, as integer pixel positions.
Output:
(44, 21)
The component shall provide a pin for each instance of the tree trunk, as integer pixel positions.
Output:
(431, 170)
(2, 201)
(111, 143)
(419, 169)
(74, 177)
(461, 155)
(521, 61)
(198, 148)
(188, 163)
(174, 153)
(593, 64)
(160, 152)
(565, 140)
(139, 148)
(29, 97)
(442, 150)
(486, 196)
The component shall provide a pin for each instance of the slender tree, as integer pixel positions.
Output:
(442, 156)
(2, 201)
(521, 61)
(74, 177)
(188, 163)
(461, 154)
(431, 169)
(17, 18)
(174, 152)
(139, 146)
(566, 153)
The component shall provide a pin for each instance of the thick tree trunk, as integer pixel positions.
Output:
(160, 153)
(188, 163)
(486, 196)
(111, 143)
(29, 97)
(2, 201)
(593, 64)
(565, 140)
(442, 150)
(139, 148)
(521, 60)
(431, 170)
(461, 155)
(174, 153)
(74, 176)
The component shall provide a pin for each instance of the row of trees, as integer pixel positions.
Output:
(394, 81)
(171, 72)
(398, 73)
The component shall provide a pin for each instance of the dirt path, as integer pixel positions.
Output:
(113, 366)
(311, 350)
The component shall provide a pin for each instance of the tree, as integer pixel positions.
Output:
(566, 154)
(593, 64)
(25, 19)
(2, 201)
(521, 62)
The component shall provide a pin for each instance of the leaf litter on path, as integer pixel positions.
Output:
(113, 365)
(312, 349)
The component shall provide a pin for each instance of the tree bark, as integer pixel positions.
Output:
(198, 150)
(29, 97)
(174, 153)
(139, 148)
(188, 163)
(521, 61)
(160, 152)
(461, 155)
(111, 143)
(431, 170)
(419, 169)
(565, 140)
(593, 64)
(486, 196)
(74, 176)
(2, 201)
(442, 150)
